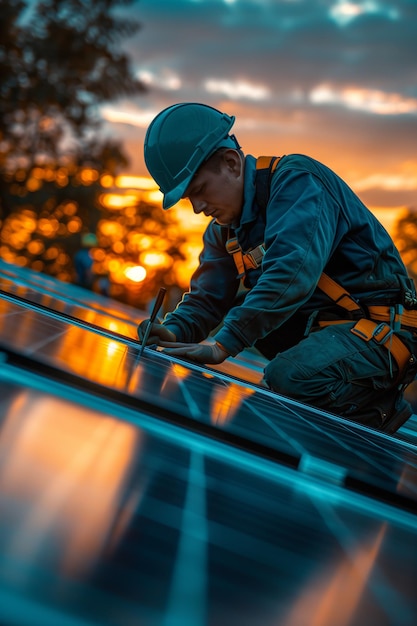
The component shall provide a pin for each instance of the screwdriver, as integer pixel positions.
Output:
(155, 310)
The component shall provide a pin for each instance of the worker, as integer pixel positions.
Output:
(326, 297)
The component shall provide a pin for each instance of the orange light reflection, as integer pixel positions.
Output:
(106, 362)
(226, 401)
(333, 597)
(66, 470)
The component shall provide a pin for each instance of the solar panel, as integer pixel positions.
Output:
(73, 302)
(159, 492)
(211, 402)
(113, 517)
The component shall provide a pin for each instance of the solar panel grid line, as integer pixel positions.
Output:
(326, 432)
(336, 468)
(188, 593)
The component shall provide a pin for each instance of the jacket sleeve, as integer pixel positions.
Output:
(213, 288)
(301, 226)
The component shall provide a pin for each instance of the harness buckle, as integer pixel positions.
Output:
(253, 258)
(367, 330)
(232, 245)
(381, 333)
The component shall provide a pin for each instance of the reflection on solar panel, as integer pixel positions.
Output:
(158, 492)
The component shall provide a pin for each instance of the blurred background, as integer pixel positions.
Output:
(82, 79)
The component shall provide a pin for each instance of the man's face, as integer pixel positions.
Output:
(218, 191)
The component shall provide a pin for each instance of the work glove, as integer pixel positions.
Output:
(158, 333)
(199, 352)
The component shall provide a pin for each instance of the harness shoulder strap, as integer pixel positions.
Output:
(265, 167)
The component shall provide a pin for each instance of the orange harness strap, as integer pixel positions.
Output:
(252, 259)
(339, 295)
(245, 261)
(266, 162)
(407, 318)
(384, 335)
(368, 329)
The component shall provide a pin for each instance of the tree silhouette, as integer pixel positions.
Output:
(405, 236)
(59, 61)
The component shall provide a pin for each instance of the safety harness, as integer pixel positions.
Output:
(376, 323)
(380, 325)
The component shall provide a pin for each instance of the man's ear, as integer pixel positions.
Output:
(233, 160)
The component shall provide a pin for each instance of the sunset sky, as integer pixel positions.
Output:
(335, 79)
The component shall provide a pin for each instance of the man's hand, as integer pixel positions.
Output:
(158, 333)
(199, 352)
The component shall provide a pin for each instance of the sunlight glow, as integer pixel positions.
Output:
(226, 401)
(389, 216)
(156, 259)
(116, 201)
(135, 273)
(135, 182)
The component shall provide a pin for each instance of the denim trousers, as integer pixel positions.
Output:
(337, 371)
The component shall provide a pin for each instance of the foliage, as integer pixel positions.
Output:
(405, 237)
(60, 60)
(58, 63)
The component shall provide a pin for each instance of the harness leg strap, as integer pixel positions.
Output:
(384, 335)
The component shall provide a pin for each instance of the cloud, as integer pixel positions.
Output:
(166, 79)
(369, 100)
(344, 11)
(237, 89)
(404, 180)
(334, 79)
(120, 115)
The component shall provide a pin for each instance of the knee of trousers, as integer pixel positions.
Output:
(283, 377)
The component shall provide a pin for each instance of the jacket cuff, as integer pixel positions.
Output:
(174, 329)
(232, 344)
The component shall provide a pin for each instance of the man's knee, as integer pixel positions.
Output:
(281, 376)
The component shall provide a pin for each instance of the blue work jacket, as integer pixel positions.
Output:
(313, 222)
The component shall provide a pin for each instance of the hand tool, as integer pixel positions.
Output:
(158, 303)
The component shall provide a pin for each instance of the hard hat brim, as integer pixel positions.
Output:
(175, 195)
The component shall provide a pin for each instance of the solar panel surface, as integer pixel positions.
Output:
(161, 492)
